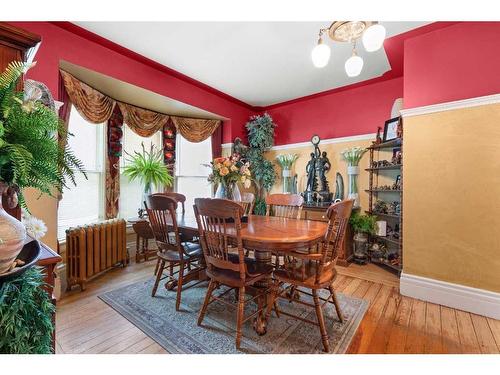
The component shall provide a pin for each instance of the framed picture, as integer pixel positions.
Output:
(391, 129)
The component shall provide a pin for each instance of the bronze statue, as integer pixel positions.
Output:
(323, 165)
(312, 183)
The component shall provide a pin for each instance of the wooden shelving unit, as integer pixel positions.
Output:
(393, 245)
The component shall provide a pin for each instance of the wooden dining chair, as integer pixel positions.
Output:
(284, 205)
(179, 198)
(314, 271)
(247, 202)
(219, 224)
(171, 250)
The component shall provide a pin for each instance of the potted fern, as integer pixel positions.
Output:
(149, 169)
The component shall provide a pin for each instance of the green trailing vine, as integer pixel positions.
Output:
(260, 139)
(26, 315)
(30, 154)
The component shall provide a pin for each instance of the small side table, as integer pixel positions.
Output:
(143, 233)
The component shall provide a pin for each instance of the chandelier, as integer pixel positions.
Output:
(371, 33)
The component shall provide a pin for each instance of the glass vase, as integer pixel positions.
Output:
(286, 173)
(228, 191)
(352, 173)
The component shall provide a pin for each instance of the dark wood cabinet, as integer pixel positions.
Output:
(318, 212)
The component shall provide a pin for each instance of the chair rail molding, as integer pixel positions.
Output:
(351, 138)
(448, 106)
(477, 301)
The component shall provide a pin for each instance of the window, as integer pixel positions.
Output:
(131, 193)
(84, 203)
(190, 172)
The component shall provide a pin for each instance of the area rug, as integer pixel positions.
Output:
(177, 331)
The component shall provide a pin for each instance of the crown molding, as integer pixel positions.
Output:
(449, 106)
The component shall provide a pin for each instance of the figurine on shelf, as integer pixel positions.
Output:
(397, 156)
(380, 207)
(397, 183)
(378, 139)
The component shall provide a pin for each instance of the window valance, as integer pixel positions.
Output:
(142, 121)
(92, 105)
(194, 129)
(97, 108)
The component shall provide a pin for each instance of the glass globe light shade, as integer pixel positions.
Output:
(353, 65)
(373, 37)
(320, 55)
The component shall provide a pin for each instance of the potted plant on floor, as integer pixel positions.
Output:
(147, 167)
(362, 225)
(34, 153)
(261, 139)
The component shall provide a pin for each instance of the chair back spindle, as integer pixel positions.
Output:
(162, 219)
(219, 224)
(284, 205)
(247, 202)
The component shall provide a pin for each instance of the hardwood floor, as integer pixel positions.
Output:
(392, 324)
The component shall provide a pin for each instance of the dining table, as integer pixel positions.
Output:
(264, 235)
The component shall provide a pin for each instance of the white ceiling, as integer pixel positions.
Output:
(260, 63)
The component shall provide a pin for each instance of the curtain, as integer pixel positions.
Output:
(142, 121)
(194, 129)
(169, 137)
(94, 106)
(217, 142)
(114, 146)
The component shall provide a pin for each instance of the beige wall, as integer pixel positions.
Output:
(338, 165)
(452, 196)
(44, 208)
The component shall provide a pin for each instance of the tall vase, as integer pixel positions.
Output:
(12, 235)
(228, 191)
(352, 173)
(286, 173)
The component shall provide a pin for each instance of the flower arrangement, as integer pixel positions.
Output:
(353, 155)
(227, 171)
(286, 160)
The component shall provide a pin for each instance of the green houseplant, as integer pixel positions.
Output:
(148, 168)
(26, 315)
(30, 153)
(260, 139)
(363, 225)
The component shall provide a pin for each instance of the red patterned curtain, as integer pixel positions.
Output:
(169, 136)
(114, 145)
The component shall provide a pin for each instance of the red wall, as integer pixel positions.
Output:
(457, 62)
(350, 112)
(60, 44)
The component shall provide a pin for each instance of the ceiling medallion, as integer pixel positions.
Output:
(371, 33)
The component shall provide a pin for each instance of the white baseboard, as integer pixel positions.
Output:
(477, 301)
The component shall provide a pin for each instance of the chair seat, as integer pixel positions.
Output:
(255, 272)
(192, 251)
(308, 278)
